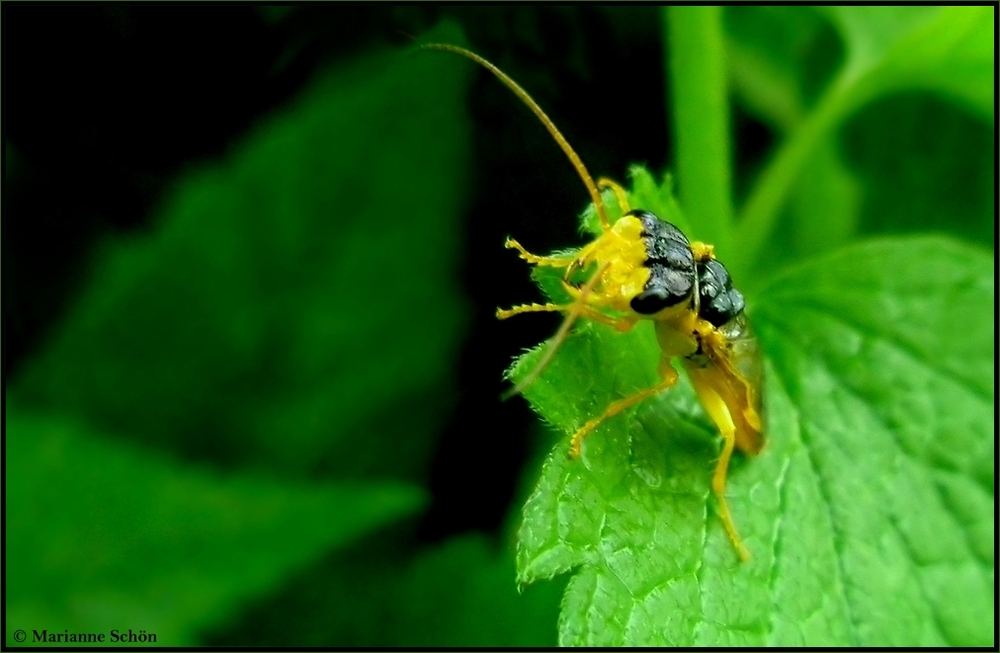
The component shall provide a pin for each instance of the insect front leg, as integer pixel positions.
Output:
(504, 313)
(669, 377)
(621, 324)
(534, 259)
(619, 192)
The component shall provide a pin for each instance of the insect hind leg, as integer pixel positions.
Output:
(720, 415)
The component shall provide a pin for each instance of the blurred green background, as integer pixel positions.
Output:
(251, 257)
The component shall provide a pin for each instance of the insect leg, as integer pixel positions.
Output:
(717, 410)
(669, 378)
(575, 310)
(622, 324)
(503, 314)
(551, 261)
(619, 192)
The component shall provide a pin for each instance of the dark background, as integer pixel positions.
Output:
(104, 105)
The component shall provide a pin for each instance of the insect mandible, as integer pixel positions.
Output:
(645, 268)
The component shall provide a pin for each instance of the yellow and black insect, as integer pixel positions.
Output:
(643, 268)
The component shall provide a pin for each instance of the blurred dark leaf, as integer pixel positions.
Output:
(100, 535)
(926, 165)
(463, 593)
(459, 593)
(824, 207)
(297, 306)
(780, 58)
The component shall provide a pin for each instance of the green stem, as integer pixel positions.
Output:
(697, 79)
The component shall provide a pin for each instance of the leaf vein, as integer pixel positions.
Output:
(821, 484)
(776, 537)
(838, 536)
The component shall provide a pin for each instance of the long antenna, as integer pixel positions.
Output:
(581, 169)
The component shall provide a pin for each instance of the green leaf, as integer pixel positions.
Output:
(948, 51)
(103, 536)
(925, 165)
(273, 316)
(872, 33)
(779, 58)
(943, 49)
(887, 351)
(824, 208)
(869, 513)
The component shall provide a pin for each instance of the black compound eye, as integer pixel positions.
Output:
(651, 301)
(671, 265)
(720, 310)
(717, 273)
(719, 301)
(669, 289)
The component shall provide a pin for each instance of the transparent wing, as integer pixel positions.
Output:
(731, 367)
